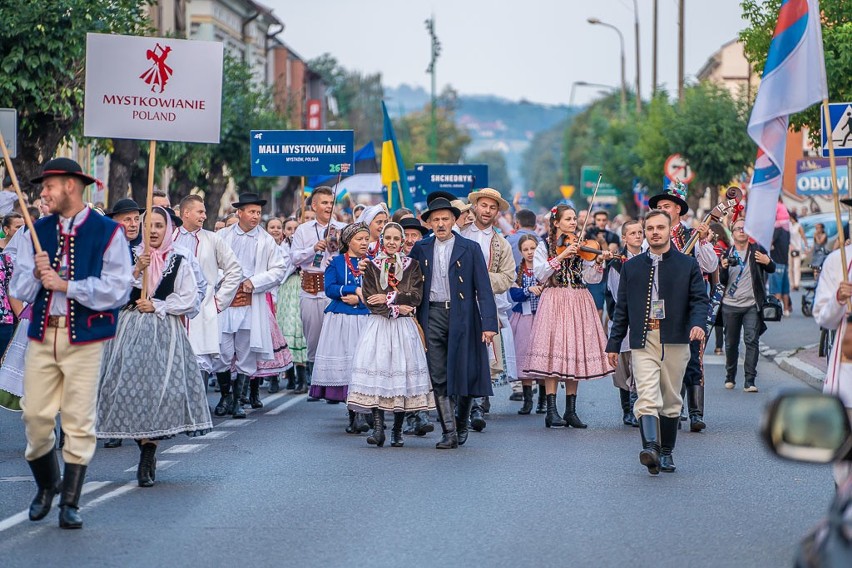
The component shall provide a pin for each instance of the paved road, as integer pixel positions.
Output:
(792, 332)
(287, 487)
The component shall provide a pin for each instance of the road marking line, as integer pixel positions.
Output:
(229, 423)
(16, 478)
(185, 448)
(114, 493)
(161, 464)
(216, 434)
(19, 518)
(286, 405)
(273, 397)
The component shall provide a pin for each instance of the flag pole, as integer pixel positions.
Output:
(835, 192)
(146, 236)
(24, 209)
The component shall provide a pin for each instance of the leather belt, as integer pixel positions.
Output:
(653, 324)
(57, 321)
(313, 282)
(445, 305)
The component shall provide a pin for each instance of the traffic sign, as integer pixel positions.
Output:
(458, 179)
(840, 115)
(9, 128)
(677, 168)
(589, 177)
(301, 152)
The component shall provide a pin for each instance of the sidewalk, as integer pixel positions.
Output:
(803, 363)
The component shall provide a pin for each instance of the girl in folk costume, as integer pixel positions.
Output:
(289, 317)
(526, 294)
(567, 343)
(342, 323)
(149, 388)
(389, 370)
(374, 217)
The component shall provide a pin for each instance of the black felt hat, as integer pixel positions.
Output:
(440, 204)
(436, 194)
(124, 206)
(412, 223)
(63, 167)
(248, 199)
(676, 192)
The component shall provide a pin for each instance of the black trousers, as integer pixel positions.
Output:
(437, 341)
(692, 376)
(747, 320)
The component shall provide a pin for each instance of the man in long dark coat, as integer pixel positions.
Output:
(458, 316)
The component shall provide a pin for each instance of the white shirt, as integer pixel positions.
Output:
(440, 290)
(482, 237)
(111, 290)
(7, 202)
(655, 287)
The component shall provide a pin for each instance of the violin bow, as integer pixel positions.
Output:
(591, 203)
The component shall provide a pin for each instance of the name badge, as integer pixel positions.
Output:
(317, 260)
(658, 309)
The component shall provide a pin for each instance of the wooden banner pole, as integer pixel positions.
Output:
(24, 209)
(302, 201)
(146, 237)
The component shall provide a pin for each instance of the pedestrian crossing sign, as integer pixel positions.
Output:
(840, 115)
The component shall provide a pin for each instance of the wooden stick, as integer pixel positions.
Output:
(146, 237)
(835, 193)
(24, 209)
(302, 202)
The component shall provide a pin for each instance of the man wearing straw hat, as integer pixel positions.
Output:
(76, 285)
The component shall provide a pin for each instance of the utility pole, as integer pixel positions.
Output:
(436, 51)
(680, 26)
(654, 54)
(638, 75)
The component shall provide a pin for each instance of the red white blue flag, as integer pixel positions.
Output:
(793, 79)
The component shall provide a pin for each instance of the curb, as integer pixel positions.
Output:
(789, 363)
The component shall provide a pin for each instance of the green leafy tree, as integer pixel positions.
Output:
(42, 59)
(654, 144)
(498, 172)
(621, 161)
(762, 16)
(413, 133)
(541, 166)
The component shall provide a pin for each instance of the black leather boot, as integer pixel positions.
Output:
(69, 503)
(633, 421)
(446, 415)
(649, 428)
(254, 396)
(145, 470)
(553, 420)
(351, 428)
(377, 438)
(571, 418)
(274, 384)
(244, 390)
(46, 473)
(477, 418)
(624, 394)
(668, 437)
(410, 423)
(397, 440)
(290, 375)
(361, 425)
(526, 408)
(422, 424)
(485, 405)
(541, 407)
(301, 380)
(238, 411)
(226, 402)
(464, 410)
(695, 404)
(113, 443)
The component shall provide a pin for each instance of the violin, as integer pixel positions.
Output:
(588, 249)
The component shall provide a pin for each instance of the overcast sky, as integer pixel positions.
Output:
(533, 49)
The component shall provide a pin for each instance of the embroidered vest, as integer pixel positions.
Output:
(166, 285)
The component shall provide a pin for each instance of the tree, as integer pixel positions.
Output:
(621, 161)
(42, 58)
(762, 16)
(541, 165)
(709, 130)
(654, 144)
(413, 133)
(498, 172)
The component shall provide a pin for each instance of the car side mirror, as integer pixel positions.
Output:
(807, 426)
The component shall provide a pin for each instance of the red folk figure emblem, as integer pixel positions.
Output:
(159, 73)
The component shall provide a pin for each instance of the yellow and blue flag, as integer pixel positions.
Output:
(392, 166)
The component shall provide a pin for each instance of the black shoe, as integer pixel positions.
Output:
(410, 424)
(553, 420)
(477, 418)
(649, 428)
(695, 404)
(69, 503)
(290, 375)
(145, 470)
(274, 385)
(377, 438)
(301, 380)
(113, 443)
(528, 401)
(254, 396)
(570, 417)
(446, 415)
(516, 396)
(464, 418)
(397, 441)
(541, 406)
(485, 406)
(49, 482)
(238, 411)
(422, 424)
(244, 391)
(351, 428)
(226, 402)
(668, 436)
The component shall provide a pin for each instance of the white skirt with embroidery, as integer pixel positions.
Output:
(337, 344)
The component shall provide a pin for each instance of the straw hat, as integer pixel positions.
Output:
(490, 194)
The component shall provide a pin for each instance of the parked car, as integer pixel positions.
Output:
(829, 220)
(808, 426)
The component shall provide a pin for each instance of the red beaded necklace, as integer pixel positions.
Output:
(354, 269)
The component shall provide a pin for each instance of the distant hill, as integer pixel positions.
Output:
(493, 122)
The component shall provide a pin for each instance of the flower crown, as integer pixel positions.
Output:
(678, 188)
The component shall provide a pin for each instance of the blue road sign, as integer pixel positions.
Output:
(841, 129)
(301, 152)
(458, 179)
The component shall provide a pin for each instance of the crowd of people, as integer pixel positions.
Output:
(124, 319)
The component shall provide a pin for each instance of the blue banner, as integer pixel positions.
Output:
(277, 153)
(458, 179)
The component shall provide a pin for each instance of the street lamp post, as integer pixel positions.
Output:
(638, 77)
(436, 51)
(597, 22)
(576, 84)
